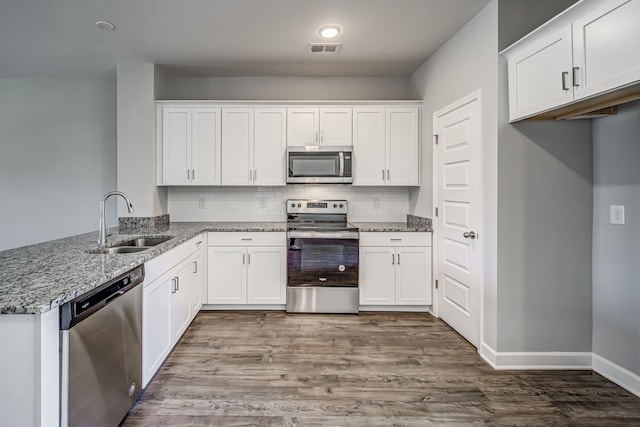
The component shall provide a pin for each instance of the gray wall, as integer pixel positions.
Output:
(544, 216)
(616, 270)
(465, 63)
(285, 88)
(57, 156)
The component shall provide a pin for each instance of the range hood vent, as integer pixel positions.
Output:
(324, 47)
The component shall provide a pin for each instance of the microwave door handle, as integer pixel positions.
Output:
(341, 156)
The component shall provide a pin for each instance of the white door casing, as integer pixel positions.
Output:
(458, 197)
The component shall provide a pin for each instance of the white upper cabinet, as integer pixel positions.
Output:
(606, 51)
(539, 77)
(387, 146)
(318, 126)
(253, 146)
(591, 49)
(189, 144)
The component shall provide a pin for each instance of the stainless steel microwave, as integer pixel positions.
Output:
(319, 165)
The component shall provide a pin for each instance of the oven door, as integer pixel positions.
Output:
(323, 259)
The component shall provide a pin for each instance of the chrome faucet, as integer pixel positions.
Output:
(102, 232)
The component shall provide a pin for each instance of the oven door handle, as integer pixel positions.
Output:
(323, 235)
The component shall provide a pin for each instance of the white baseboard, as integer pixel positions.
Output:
(616, 373)
(404, 308)
(244, 307)
(535, 360)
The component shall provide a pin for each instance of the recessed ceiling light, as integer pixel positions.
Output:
(104, 25)
(329, 31)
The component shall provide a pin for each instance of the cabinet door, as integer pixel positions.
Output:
(156, 325)
(266, 275)
(195, 282)
(607, 48)
(237, 140)
(413, 276)
(269, 146)
(180, 301)
(302, 126)
(205, 146)
(377, 276)
(176, 146)
(540, 76)
(335, 126)
(369, 146)
(403, 146)
(226, 275)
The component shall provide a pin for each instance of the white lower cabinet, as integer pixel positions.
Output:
(395, 269)
(170, 301)
(250, 268)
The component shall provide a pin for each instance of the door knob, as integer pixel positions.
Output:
(469, 235)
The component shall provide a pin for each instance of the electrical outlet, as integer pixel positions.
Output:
(376, 202)
(263, 202)
(202, 203)
(616, 214)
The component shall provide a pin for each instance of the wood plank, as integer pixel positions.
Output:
(410, 369)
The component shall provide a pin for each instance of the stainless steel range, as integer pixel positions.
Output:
(322, 258)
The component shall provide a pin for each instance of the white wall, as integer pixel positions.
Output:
(286, 88)
(57, 156)
(616, 270)
(244, 203)
(137, 163)
(465, 63)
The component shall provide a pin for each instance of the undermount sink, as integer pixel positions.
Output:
(131, 246)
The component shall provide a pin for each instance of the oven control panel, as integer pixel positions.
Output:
(317, 206)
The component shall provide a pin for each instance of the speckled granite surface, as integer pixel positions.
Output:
(390, 227)
(36, 278)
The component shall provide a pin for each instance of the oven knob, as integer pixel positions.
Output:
(341, 205)
(293, 205)
(335, 205)
(299, 205)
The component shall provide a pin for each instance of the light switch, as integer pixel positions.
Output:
(616, 214)
(376, 202)
(202, 203)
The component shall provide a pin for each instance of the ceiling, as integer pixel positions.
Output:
(225, 37)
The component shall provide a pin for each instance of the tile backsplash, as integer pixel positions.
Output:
(268, 203)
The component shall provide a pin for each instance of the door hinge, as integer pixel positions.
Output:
(436, 284)
(436, 211)
(435, 138)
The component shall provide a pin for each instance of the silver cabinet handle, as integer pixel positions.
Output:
(195, 266)
(250, 175)
(255, 174)
(243, 259)
(193, 174)
(393, 259)
(322, 137)
(188, 174)
(248, 258)
(565, 74)
(316, 137)
(388, 175)
(574, 76)
(383, 174)
(246, 239)
(469, 235)
(173, 285)
(398, 259)
(177, 283)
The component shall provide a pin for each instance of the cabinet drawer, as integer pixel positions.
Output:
(164, 262)
(395, 239)
(246, 239)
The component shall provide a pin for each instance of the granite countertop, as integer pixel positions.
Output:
(391, 227)
(37, 278)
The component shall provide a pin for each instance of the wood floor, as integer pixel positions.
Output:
(378, 369)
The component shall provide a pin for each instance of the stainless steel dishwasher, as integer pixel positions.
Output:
(101, 343)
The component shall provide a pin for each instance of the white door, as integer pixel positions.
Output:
(540, 76)
(369, 142)
(176, 146)
(205, 146)
(237, 140)
(377, 275)
(226, 275)
(403, 146)
(266, 275)
(181, 301)
(156, 325)
(413, 275)
(607, 47)
(335, 126)
(458, 186)
(269, 146)
(303, 126)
